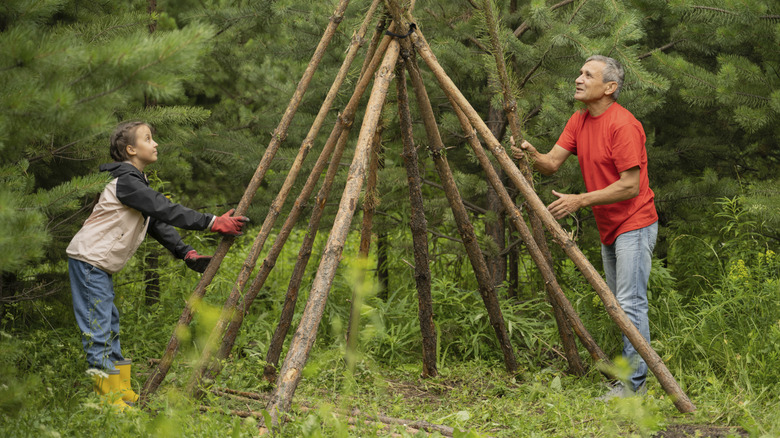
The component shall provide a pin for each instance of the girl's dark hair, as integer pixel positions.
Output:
(124, 135)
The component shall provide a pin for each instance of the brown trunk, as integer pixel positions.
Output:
(152, 277)
(510, 108)
(159, 373)
(273, 213)
(291, 297)
(382, 270)
(466, 230)
(525, 234)
(152, 8)
(332, 150)
(654, 362)
(496, 229)
(341, 133)
(419, 227)
(514, 277)
(303, 340)
(370, 201)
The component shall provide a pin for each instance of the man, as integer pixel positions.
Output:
(610, 146)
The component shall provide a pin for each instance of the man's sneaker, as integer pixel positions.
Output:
(619, 390)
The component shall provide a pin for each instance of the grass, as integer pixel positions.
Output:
(720, 339)
(53, 398)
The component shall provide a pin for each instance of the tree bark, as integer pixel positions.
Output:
(419, 227)
(514, 277)
(370, 201)
(333, 149)
(342, 130)
(159, 373)
(496, 230)
(152, 277)
(274, 211)
(654, 362)
(465, 228)
(306, 333)
(510, 108)
(382, 269)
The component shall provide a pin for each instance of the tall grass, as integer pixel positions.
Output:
(715, 315)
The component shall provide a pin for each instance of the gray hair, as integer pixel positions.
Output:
(613, 72)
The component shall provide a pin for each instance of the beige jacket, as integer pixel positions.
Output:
(126, 210)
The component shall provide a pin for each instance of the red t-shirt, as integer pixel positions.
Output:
(606, 145)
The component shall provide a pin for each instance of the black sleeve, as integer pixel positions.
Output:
(168, 237)
(133, 191)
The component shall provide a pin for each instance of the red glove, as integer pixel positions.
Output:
(230, 226)
(197, 262)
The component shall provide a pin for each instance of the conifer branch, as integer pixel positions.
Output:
(771, 17)
(56, 152)
(579, 8)
(122, 26)
(525, 26)
(660, 49)
(162, 58)
(711, 8)
(473, 40)
(471, 206)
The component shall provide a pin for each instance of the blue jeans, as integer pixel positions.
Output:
(627, 265)
(93, 304)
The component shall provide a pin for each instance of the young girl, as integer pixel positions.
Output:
(126, 211)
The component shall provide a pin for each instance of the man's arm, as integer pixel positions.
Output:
(548, 163)
(626, 187)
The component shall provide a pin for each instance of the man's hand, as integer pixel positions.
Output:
(229, 225)
(197, 262)
(564, 205)
(525, 147)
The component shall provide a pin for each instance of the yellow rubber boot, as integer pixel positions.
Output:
(128, 395)
(106, 385)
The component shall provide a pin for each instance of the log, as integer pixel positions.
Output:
(333, 149)
(419, 227)
(370, 201)
(510, 108)
(279, 135)
(306, 333)
(654, 362)
(465, 228)
(291, 297)
(274, 211)
(516, 218)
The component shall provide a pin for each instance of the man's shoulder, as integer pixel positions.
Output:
(623, 114)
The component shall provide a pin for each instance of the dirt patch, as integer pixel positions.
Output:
(700, 430)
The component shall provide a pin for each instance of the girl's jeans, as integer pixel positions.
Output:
(98, 319)
(627, 268)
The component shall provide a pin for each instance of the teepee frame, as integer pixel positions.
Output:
(397, 53)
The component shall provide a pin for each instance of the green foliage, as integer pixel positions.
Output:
(70, 73)
(214, 78)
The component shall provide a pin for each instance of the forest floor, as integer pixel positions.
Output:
(472, 400)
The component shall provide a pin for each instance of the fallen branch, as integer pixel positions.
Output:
(353, 414)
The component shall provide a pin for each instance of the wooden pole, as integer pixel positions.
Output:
(370, 201)
(654, 362)
(306, 333)
(419, 226)
(274, 211)
(333, 149)
(515, 216)
(291, 297)
(159, 373)
(486, 289)
(510, 108)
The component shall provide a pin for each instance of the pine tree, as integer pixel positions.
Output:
(70, 72)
